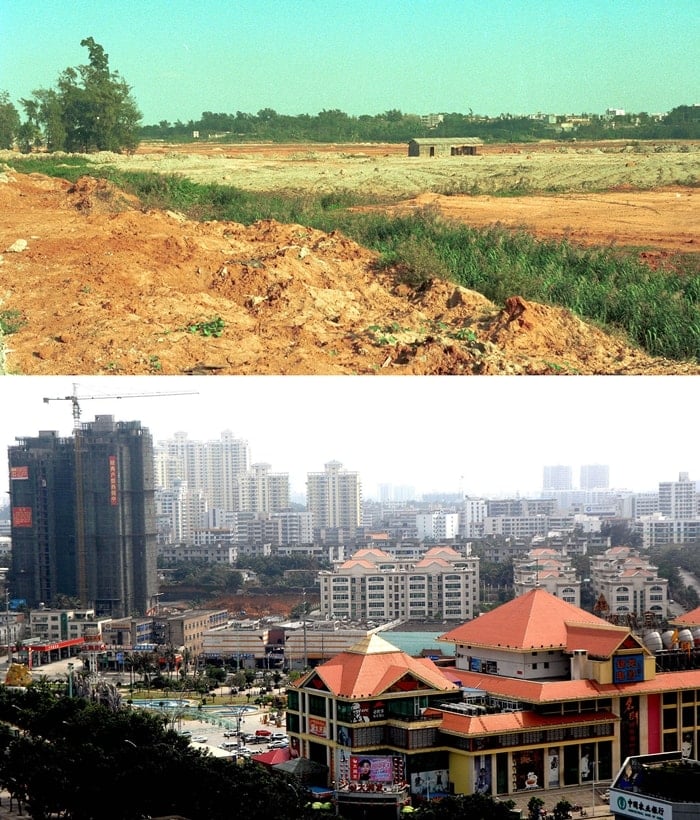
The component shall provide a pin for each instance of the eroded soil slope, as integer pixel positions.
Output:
(104, 287)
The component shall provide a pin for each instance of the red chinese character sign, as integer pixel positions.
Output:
(21, 516)
(628, 668)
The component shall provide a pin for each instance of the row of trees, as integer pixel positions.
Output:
(394, 126)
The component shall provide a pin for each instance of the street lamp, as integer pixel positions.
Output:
(238, 713)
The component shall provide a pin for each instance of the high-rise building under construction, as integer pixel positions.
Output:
(83, 518)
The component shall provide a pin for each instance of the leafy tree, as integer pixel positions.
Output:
(534, 805)
(621, 533)
(91, 110)
(9, 121)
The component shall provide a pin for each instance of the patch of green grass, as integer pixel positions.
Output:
(11, 321)
(65, 166)
(213, 327)
(154, 364)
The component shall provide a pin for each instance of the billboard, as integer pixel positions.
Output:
(371, 768)
(19, 473)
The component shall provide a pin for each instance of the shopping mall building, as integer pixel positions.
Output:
(540, 695)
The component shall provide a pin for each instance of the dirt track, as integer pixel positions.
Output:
(104, 287)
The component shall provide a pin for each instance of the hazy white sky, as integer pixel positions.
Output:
(489, 434)
(182, 58)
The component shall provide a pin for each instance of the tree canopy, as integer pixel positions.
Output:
(78, 759)
(91, 109)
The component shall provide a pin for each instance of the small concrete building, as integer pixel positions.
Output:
(443, 146)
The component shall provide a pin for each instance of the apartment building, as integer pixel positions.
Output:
(83, 517)
(594, 476)
(628, 584)
(556, 477)
(260, 491)
(216, 553)
(334, 498)
(210, 466)
(437, 526)
(547, 569)
(374, 586)
(657, 530)
(678, 499)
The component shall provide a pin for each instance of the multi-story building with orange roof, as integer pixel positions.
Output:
(542, 695)
(374, 585)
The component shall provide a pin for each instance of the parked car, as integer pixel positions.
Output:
(263, 733)
(186, 733)
(229, 745)
(199, 739)
(230, 733)
(278, 736)
(278, 744)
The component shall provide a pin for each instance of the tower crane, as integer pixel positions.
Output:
(75, 399)
(80, 545)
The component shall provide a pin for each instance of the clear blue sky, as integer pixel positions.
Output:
(183, 57)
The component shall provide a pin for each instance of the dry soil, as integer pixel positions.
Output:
(103, 286)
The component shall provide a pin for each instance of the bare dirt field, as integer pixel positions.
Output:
(103, 286)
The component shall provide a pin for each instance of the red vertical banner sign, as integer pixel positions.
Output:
(113, 497)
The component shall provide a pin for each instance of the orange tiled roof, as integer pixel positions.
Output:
(372, 666)
(530, 691)
(536, 620)
(689, 619)
(357, 562)
(502, 722)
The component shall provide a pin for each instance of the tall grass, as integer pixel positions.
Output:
(657, 310)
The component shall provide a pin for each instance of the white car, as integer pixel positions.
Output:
(200, 739)
(278, 744)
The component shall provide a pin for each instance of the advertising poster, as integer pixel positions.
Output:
(317, 727)
(528, 770)
(372, 769)
(553, 767)
(482, 770)
(431, 783)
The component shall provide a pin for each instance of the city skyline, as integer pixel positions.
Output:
(366, 57)
(474, 435)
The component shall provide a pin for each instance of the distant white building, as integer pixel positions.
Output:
(678, 499)
(437, 526)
